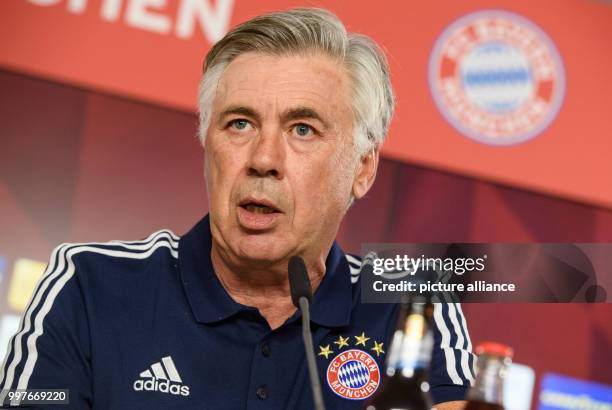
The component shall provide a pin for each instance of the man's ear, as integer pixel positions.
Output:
(366, 173)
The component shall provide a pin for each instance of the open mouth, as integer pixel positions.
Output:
(258, 207)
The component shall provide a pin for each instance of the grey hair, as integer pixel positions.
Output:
(307, 30)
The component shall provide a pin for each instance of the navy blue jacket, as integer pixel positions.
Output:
(147, 325)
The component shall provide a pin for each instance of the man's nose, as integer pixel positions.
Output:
(268, 154)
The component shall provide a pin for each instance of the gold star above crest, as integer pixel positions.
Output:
(325, 351)
(361, 340)
(342, 341)
(378, 348)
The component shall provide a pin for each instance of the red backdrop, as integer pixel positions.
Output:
(154, 53)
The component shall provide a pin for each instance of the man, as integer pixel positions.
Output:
(293, 112)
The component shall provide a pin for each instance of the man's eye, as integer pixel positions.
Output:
(239, 124)
(303, 130)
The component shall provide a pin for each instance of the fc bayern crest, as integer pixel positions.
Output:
(353, 374)
(496, 77)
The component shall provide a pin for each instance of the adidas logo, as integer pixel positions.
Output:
(162, 377)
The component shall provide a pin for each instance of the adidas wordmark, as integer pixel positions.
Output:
(162, 377)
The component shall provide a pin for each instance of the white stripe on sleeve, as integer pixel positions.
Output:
(65, 254)
(353, 260)
(465, 367)
(449, 354)
(469, 342)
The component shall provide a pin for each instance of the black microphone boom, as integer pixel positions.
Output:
(301, 295)
(298, 281)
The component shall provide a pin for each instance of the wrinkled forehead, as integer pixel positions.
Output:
(271, 84)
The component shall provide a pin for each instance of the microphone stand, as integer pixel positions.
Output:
(310, 356)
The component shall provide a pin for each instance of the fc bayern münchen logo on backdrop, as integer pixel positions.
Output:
(496, 77)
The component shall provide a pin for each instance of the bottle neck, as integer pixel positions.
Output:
(411, 347)
(489, 384)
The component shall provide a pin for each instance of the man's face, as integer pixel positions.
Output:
(279, 159)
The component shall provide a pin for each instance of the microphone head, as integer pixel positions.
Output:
(298, 281)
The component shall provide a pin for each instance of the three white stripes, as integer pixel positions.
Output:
(157, 371)
(445, 344)
(354, 266)
(64, 254)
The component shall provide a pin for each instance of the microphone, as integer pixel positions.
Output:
(301, 295)
(298, 281)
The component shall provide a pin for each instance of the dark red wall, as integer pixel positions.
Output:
(81, 166)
